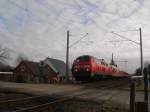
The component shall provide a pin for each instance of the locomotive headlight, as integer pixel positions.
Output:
(75, 70)
(87, 69)
(76, 66)
(77, 60)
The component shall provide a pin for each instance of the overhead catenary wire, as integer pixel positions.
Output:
(118, 40)
(135, 30)
(78, 40)
(123, 37)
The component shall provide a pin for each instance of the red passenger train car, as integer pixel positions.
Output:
(87, 67)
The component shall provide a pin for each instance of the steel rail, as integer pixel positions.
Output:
(65, 98)
(24, 99)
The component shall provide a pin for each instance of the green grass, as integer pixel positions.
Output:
(141, 87)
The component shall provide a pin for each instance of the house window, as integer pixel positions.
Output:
(22, 68)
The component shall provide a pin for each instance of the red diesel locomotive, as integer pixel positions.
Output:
(88, 67)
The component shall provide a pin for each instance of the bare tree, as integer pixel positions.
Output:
(21, 57)
(4, 54)
(138, 71)
(146, 64)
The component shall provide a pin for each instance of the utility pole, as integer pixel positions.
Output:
(112, 60)
(67, 52)
(145, 71)
(67, 57)
(138, 43)
(132, 96)
(141, 51)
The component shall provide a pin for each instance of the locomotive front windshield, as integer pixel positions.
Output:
(83, 58)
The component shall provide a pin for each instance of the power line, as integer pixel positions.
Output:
(78, 40)
(126, 30)
(118, 40)
(77, 35)
(123, 37)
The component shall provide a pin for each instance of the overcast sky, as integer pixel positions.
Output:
(38, 28)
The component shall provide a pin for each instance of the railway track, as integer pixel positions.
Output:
(19, 104)
(111, 85)
(45, 103)
(101, 90)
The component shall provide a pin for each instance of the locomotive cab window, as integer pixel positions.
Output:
(84, 58)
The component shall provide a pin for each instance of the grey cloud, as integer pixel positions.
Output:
(38, 27)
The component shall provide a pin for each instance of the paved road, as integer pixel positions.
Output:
(119, 96)
(39, 88)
